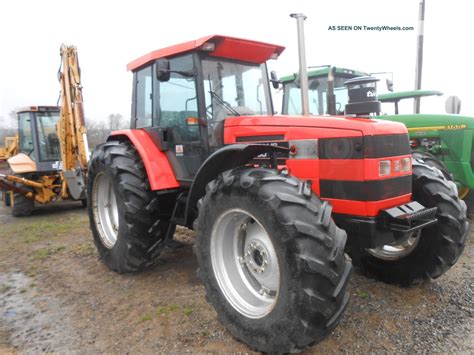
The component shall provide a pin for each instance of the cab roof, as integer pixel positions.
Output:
(37, 108)
(400, 95)
(349, 73)
(224, 47)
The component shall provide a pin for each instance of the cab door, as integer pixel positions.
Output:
(178, 116)
(168, 111)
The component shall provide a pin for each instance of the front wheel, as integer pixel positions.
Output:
(123, 211)
(271, 259)
(427, 253)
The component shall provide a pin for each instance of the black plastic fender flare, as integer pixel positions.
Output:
(227, 157)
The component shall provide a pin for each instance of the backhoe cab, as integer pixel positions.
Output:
(38, 144)
(51, 158)
(269, 196)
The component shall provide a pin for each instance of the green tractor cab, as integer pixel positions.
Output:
(447, 137)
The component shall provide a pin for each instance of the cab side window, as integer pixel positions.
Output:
(144, 98)
(26, 136)
(178, 100)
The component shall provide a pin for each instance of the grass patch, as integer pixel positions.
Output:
(146, 318)
(162, 310)
(84, 249)
(362, 294)
(31, 272)
(42, 254)
(188, 311)
(32, 239)
(4, 288)
(36, 230)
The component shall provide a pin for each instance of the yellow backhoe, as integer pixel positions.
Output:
(10, 148)
(50, 161)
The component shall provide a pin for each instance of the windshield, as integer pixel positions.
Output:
(317, 96)
(233, 89)
(47, 136)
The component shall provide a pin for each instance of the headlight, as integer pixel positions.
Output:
(385, 167)
(406, 164)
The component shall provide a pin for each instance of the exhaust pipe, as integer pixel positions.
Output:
(419, 54)
(304, 87)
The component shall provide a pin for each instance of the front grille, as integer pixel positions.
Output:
(364, 147)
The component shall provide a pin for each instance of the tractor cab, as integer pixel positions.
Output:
(38, 144)
(183, 94)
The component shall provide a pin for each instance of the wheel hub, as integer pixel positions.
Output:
(399, 249)
(256, 257)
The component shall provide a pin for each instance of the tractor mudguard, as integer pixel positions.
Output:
(159, 171)
(225, 158)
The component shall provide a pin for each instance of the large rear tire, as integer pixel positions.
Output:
(22, 206)
(431, 160)
(123, 211)
(271, 259)
(429, 253)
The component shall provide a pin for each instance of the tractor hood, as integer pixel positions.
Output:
(433, 122)
(336, 124)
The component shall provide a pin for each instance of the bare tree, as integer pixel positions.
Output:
(116, 121)
(8, 126)
(97, 132)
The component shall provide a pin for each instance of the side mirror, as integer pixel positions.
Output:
(274, 80)
(314, 84)
(390, 85)
(163, 69)
(453, 105)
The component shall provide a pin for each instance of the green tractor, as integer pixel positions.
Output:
(442, 140)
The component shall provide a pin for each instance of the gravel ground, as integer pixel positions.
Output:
(56, 296)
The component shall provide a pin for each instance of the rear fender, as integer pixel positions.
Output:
(225, 158)
(159, 171)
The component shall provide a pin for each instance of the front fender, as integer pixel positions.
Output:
(225, 158)
(159, 171)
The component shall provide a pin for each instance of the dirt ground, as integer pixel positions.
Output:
(56, 296)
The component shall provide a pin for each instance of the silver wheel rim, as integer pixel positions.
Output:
(245, 263)
(398, 250)
(105, 210)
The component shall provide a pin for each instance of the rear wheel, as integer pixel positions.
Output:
(123, 211)
(271, 259)
(430, 252)
(464, 192)
(7, 196)
(22, 206)
(431, 160)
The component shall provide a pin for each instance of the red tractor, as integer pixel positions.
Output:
(270, 197)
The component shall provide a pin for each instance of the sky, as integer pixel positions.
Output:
(109, 34)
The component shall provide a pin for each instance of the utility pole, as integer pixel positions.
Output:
(302, 58)
(419, 54)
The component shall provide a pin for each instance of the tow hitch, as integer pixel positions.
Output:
(409, 217)
(392, 225)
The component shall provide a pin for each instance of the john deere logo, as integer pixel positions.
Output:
(371, 94)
